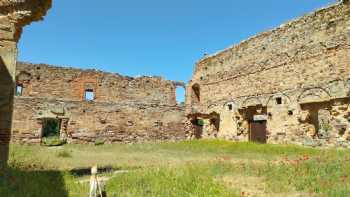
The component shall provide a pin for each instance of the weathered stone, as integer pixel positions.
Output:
(124, 109)
(296, 75)
(14, 14)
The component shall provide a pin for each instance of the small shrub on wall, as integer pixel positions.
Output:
(99, 142)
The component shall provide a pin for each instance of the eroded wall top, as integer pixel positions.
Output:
(43, 81)
(308, 52)
(14, 14)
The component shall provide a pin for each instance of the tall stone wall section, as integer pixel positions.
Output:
(124, 109)
(14, 14)
(286, 75)
(307, 52)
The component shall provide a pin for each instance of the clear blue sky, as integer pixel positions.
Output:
(153, 37)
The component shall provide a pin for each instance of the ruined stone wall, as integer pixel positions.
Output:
(273, 75)
(43, 81)
(124, 122)
(310, 51)
(124, 109)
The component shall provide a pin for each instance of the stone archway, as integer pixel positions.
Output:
(251, 101)
(313, 95)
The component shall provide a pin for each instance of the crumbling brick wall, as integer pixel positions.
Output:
(124, 109)
(43, 81)
(304, 61)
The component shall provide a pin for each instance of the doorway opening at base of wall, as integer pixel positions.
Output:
(198, 128)
(258, 132)
(51, 132)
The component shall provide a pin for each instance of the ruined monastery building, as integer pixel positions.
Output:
(287, 85)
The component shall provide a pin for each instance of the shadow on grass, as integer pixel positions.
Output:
(14, 182)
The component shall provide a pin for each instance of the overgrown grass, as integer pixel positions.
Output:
(64, 154)
(219, 146)
(195, 168)
(189, 180)
(329, 176)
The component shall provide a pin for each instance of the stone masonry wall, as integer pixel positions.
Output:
(291, 77)
(87, 121)
(124, 109)
(43, 81)
(310, 51)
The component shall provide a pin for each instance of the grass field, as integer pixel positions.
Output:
(190, 168)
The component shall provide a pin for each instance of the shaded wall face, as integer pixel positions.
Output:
(42, 81)
(6, 101)
(8, 55)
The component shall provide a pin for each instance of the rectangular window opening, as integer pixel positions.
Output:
(279, 100)
(89, 95)
(19, 89)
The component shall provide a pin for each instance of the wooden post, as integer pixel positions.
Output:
(95, 185)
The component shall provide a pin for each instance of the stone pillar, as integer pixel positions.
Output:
(13, 16)
(8, 54)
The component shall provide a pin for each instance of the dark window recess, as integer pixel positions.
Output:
(230, 107)
(290, 112)
(89, 95)
(278, 100)
(51, 127)
(19, 89)
(158, 124)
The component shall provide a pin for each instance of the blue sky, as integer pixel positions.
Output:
(153, 37)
